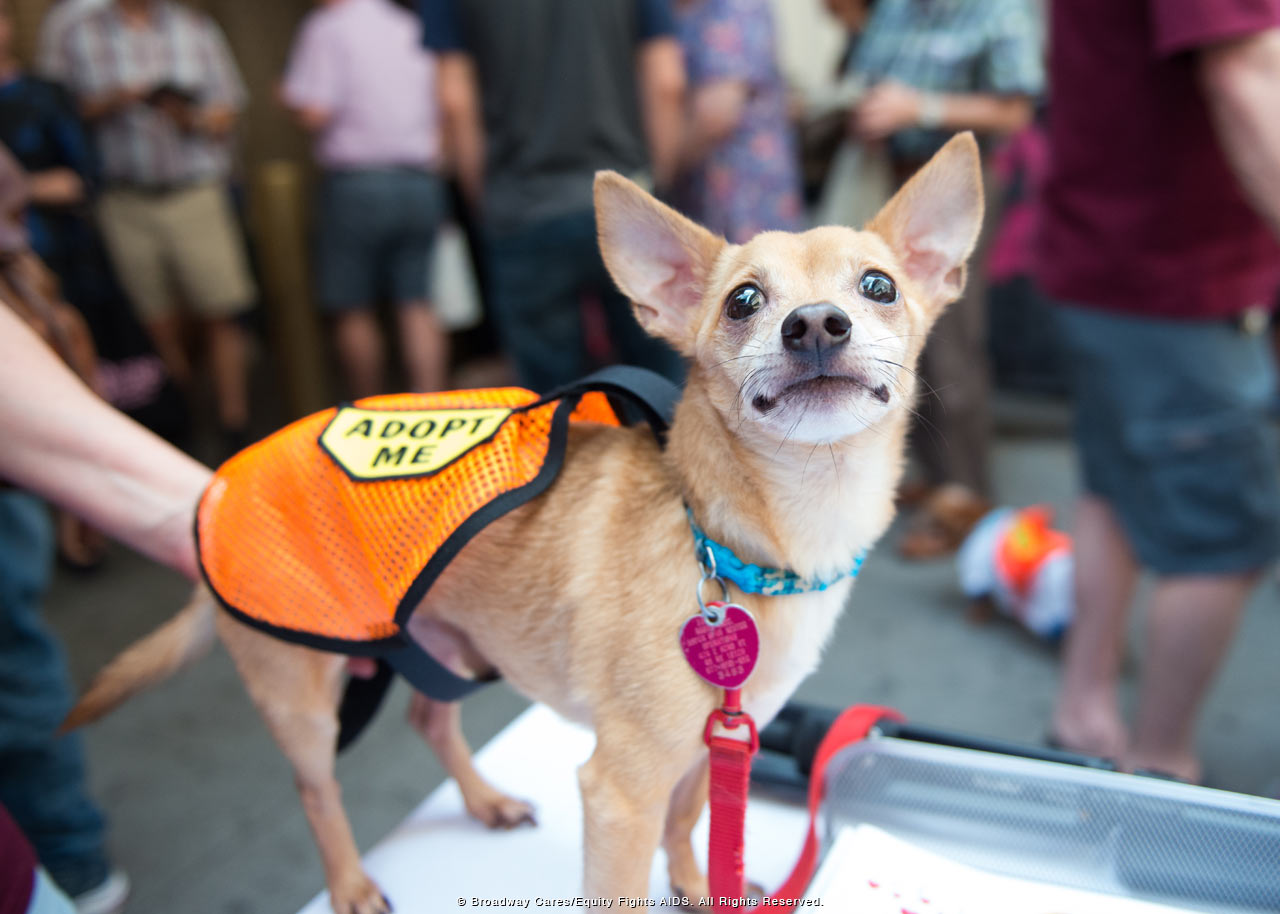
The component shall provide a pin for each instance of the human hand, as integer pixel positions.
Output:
(55, 187)
(216, 121)
(80, 545)
(886, 109)
(177, 108)
(128, 96)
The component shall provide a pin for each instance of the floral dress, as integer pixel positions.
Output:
(750, 182)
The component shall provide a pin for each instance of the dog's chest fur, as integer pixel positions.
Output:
(793, 632)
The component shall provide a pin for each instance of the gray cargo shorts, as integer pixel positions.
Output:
(1172, 419)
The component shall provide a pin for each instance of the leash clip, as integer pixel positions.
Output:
(732, 720)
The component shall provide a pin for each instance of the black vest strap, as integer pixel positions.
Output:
(360, 701)
(653, 395)
(363, 697)
(635, 390)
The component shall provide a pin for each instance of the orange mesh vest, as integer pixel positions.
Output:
(330, 531)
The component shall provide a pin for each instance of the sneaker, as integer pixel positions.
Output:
(108, 897)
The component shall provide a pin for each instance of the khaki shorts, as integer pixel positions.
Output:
(185, 238)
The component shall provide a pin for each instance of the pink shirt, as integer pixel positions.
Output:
(363, 63)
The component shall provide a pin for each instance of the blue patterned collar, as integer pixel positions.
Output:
(769, 582)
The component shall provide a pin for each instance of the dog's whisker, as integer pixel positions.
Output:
(737, 358)
(899, 336)
(805, 468)
(929, 389)
(787, 436)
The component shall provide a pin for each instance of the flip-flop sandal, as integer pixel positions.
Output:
(1051, 741)
(926, 540)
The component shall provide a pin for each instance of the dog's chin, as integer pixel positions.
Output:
(823, 408)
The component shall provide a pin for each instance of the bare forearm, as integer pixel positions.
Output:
(218, 120)
(695, 144)
(71, 447)
(660, 65)
(1240, 80)
(891, 106)
(55, 187)
(459, 97)
(715, 112)
(313, 120)
(464, 137)
(984, 113)
(109, 103)
(662, 127)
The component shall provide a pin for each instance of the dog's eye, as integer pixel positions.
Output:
(878, 287)
(743, 302)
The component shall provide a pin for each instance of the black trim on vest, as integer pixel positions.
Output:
(656, 398)
(508, 501)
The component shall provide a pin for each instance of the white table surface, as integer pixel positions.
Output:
(439, 856)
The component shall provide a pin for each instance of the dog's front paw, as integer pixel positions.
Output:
(358, 895)
(497, 810)
(754, 892)
(694, 898)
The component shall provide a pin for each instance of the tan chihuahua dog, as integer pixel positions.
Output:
(787, 447)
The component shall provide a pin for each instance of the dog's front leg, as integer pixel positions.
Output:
(440, 724)
(626, 786)
(687, 802)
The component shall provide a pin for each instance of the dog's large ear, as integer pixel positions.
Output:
(658, 258)
(933, 222)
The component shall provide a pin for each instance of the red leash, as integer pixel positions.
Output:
(721, 644)
(730, 781)
(851, 726)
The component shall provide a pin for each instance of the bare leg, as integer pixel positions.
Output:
(687, 802)
(229, 360)
(1087, 717)
(424, 346)
(358, 339)
(440, 724)
(166, 336)
(1190, 625)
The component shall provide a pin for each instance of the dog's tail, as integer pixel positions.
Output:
(180, 641)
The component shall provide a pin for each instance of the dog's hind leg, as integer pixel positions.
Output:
(296, 690)
(440, 724)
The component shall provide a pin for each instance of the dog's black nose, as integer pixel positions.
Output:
(815, 327)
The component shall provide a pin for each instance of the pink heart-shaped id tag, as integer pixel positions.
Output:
(723, 654)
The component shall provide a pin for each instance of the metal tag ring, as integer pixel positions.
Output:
(712, 617)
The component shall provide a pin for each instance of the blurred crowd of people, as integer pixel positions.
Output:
(1152, 197)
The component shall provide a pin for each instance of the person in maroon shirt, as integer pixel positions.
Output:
(17, 867)
(1161, 220)
(24, 887)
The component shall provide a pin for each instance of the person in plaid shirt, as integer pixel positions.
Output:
(160, 89)
(932, 68)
